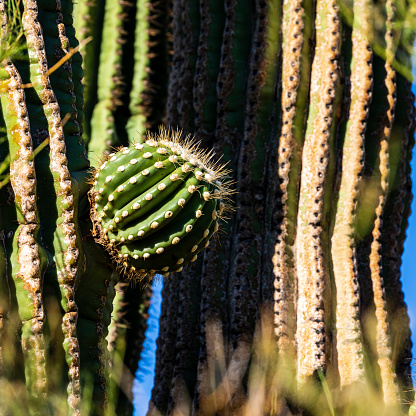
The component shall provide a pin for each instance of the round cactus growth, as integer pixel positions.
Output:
(156, 204)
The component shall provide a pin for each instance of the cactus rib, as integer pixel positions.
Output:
(295, 66)
(109, 79)
(88, 16)
(165, 352)
(29, 257)
(65, 240)
(350, 353)
(256, 151)
(383, 347)
(311, 267)
(207, 66)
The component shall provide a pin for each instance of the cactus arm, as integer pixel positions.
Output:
(102, 121)
(296, 33)
(343, 245)
(28, 257)
(312, 273)
(66, 244)
(88, 19)
(160, 216)
(207, 66)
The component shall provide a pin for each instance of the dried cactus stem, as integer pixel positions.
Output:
(383, 345)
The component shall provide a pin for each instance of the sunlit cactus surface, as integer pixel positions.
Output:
(297, 306)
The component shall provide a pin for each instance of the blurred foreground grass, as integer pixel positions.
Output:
(252, 383)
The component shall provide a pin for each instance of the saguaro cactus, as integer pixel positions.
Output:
(57, 282)
(310, 104)
(42, 256)
(285, 90)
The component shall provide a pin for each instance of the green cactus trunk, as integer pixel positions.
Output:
(285, 92)
(309, 103)
(43, 258)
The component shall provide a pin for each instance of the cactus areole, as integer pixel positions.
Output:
(156, 204)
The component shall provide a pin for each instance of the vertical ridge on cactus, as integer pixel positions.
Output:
(109, 79)
(127, 341)
(345, 269)
(29, 257)
(66, 233)
(395, 218)
(300, 303)
(150, 71)
(384, 347)
(88, 20)
(296, 35)
(212, 19)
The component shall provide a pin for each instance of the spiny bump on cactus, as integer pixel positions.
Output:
(156, 204)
